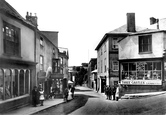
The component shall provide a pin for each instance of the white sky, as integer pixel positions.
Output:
(83, 23)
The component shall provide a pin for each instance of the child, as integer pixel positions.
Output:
(41, 98)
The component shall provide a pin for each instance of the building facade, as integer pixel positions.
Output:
(91, 74)
(107, 53)
(17, 58)
(142, 61)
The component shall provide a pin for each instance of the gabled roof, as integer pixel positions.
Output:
(121, 31)
(8, 9)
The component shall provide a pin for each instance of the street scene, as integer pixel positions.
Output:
(89, 102)
(82, 57)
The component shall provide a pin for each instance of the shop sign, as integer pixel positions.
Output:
(141, 82)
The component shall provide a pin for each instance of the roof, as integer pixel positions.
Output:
(7, 8)
(146, 31)
(121, 31)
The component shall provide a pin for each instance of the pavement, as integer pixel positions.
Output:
(139, 95)
(28, 110)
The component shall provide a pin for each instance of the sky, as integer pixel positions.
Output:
(83, 23)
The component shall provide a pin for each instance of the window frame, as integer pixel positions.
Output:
(142, 45)
(41, 60)
(115, 66)
(114, 44)
(11, 35)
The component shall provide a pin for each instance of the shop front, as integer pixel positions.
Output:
(56, 84)
(16, 81)
(141, 75)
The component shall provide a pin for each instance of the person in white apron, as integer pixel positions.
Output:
(41, 98)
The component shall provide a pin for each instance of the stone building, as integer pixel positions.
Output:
(17, 58)
(107, 53)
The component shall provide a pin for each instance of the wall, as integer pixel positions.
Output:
(27, 38)
(128, 47)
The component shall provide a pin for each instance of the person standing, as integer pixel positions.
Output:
(34, 96)
(72, 92)
(114, 92)
(66, 93)
(117, 93)
(109, 93)
(41, 98)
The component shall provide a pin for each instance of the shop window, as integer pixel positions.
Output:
(11, 39)
(27, 82)
(142, 71)
(1, 85)
(22, 81)
(145, 43)
(8, 80)
(15, 83)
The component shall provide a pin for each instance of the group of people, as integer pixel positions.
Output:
(112, 93)
(37, 96)
(67, 91)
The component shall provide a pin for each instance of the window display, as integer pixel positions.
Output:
(141, 71)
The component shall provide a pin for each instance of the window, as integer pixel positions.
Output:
(41, 42)
(142, 70)
(145, 43)
(41, 62)
(13, 83)
(101, 66)
(105, 67)
(115, 43)
(11, 39)
(115, 66)
(53, 51)
(101, 51)
(105, 47)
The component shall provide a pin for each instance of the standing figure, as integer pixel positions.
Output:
(114, 92)
(41, 98)
(72, 92)
(34, 96)
(109, 93)
(117, 93)
(66, 93)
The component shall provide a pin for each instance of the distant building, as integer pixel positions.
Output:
(92, 73)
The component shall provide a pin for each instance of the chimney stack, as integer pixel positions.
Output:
(32, 19)
(131, 22)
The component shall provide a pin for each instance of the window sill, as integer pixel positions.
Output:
(145, 52)
(11, 56)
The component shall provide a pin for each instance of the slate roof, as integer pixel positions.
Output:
(122, 30)
(7, 8)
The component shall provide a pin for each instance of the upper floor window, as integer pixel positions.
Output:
(145, 43)
(53, 51)
(105, 47)
(11, 39)
(115, 43)
(105, 66)
(41, 42)
(115, 66)
(41, 62)
(101, 51)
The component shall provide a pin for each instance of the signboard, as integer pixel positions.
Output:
(141, 82)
